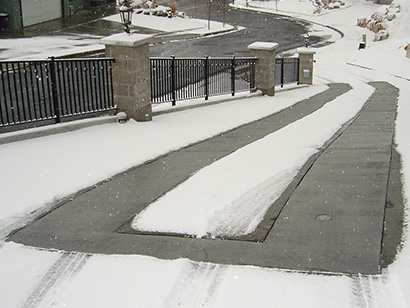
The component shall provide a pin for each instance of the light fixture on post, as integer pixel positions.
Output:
(126, 14)
(307, 39)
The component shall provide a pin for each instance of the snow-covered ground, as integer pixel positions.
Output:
(42, 47)
(36, 172)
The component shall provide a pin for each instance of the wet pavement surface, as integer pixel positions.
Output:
(288, 33)
(353, 183)
(91, 27)
(337, 228)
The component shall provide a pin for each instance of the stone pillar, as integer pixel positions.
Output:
(131, 75)
(265, 66)
(305, 65)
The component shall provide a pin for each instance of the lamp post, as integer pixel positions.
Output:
(209, 14)
(307, 39)
(126, 14)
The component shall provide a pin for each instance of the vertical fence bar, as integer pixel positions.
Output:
(30, 104)
(179, 80)
(59, 85)
(168, 78)
(163, 73)
(98, 75)
(173, 77)
(111, 85)
(103, 69)
(93, 87)
(37, 86)
(73, 97)
(86, 84)
(106, 69)
(94, 90)
(180, 74)
(165, 79)
(282, 72)
(206, 77)
(45, 87)
(10, 113)
(10, 106)
(31, 91)
(86, 81)
(16, 113)
(8, 101)
(66, 88)
(54, 96)
(81, 95)
(233, 75)
(23, 111)
(3, 111)
(297, 70)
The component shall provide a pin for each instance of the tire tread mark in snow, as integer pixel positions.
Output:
(368, 292)
(65, 267)
(197, 286)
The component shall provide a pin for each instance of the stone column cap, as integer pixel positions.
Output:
(305, 51)
(263, 46)
(125, 39)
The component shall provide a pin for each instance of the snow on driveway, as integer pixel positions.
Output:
(137, 281)
(231, 196)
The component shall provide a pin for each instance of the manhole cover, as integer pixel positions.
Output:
(324, 217)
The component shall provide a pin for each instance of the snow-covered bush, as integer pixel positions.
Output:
(321, 5)
(379, 20)
(148, 7)
(129, 3)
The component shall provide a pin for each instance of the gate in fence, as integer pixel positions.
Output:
(286, 70)
(187, 78)
(175, 79)
(52, 91)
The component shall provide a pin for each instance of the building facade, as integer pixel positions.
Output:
(24, 13)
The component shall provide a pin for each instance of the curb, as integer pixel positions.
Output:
(44, 131)
(55, 129)
(268, 11)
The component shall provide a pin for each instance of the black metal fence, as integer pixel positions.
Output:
(286, 70)
(187, 78)
(51, 91)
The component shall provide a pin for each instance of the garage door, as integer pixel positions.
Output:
(36, 11)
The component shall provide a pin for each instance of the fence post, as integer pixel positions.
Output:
(54, 95)
(298, 73)
(131, 73)
(233, 75)
(252, 83)
(173, 77)
(306, 65)
(282, 72)
(206, 67)
(265, 66)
